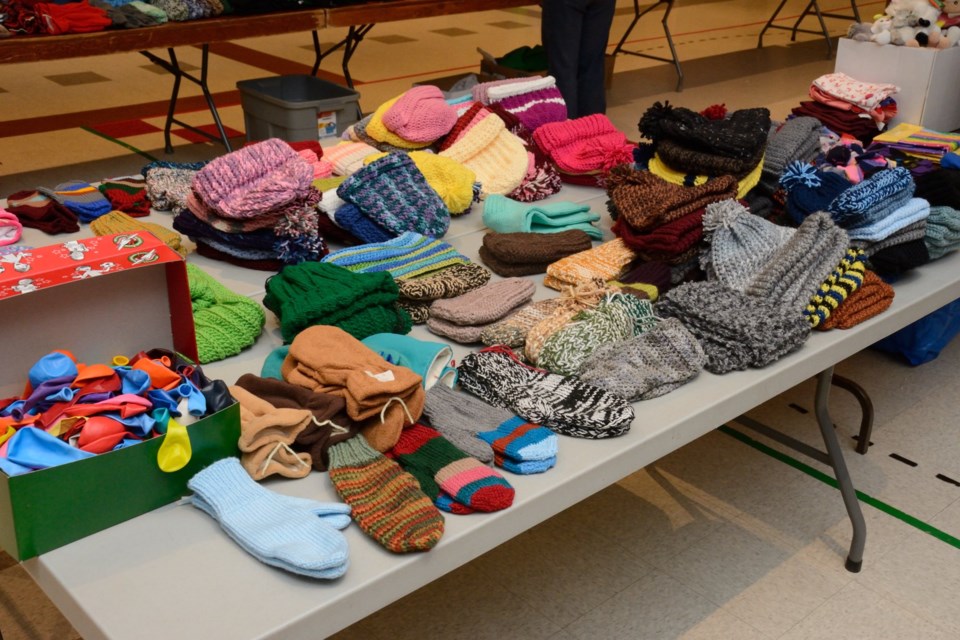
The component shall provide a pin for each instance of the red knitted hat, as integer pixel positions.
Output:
(666, 241)
(584, 145)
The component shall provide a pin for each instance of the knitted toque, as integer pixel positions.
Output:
(352, 220)
(797, 139)
(589, 144)
(80, 197)
(871, 298)
(168, 187)
(452, 181)
(646, 366)
(407, 256)
(844, 280)
(393, 192)
(942, 231)
(739, 135)
(226, 322)
(127, 194)
(716, 315)
(120, 222)
(915, 231)
(347, 157)
(420, 114)
(504, 215)
(694, 161)
(900, 258)
(534, 101)
(572, 300)
(912, 211)
(451, 282)
(485, 304)
(805, 260)
(667, 241)
(939, 188)
(470, 115)
(604, 261)
(254, 179)
(378, 130)
(745, 184)
(508, 254)
(810, 190)
(860, 203)
(741, 243)
(311, 293)
(37, 211)
(645, 201)
(496, 156)
(542, 179)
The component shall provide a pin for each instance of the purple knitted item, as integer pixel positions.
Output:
(536, 108)
(254, 180)
(393, 193)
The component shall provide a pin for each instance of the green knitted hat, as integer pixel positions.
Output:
(226, 322)
(310, 293)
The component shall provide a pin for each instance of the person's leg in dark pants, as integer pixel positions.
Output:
(591, 94)
(560, 34)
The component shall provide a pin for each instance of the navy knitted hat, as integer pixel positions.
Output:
(810, 190)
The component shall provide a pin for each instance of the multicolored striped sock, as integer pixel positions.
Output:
(440, 466)
(522, 447)
(387, 502)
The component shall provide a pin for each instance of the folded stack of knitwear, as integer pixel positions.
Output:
(35, 210)
(649, 365)
(464, 317)
(584, 149)
(872, 199)
(736, 330)
(413, 120)
(942, 231)
(840, 91)
(380, 397)
(265, 186)
(616, 318)
(169, 183)
(120, 222)
(418, 294)
(312, 293)
(391, 196)
(503, 215)
(80, 197)
(480, 141)
(535, 101)
(808, 189)
(939, 188)
(563, 404)
(871, 298)
(182, 10)
(409, 255)
(605, 262)
(796, 140)
(837, 120)
(456, 185)
(542, 179)
(523, 254)
(127, 194)
(226, 323)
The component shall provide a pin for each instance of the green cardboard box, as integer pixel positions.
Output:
(98, 298)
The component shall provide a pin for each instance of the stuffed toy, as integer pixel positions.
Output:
(911, 23)
(861, 31)
(949, 14)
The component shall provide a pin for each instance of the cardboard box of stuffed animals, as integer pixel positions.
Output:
(97, 298)
(929, 92)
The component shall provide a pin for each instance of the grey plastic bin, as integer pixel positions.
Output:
(296, 107)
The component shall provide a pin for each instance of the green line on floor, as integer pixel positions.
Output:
(916, 523)
(123, 144)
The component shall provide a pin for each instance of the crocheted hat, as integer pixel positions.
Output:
(939, 188)
(469, 116)
(452, 181)
(872, 298)
(739, 135)
(861, 203)
(797, 139)
(900, 258)
(225, 322)
(646, 201)
(520, 254)
(504, 215)
(498, 157)
(393, 193)
(589, 144)
(313, 293)
(253, 180)
(409, 255)
(542, 179)
(810, 190)
(741, 243)
(420, 114)
(379, 131)
(666, 242)
(535, 101)
(80, 197)
(119, 222)
(347, 157)
(942, 231)
(128, 194)
(604, 261)
(912, 211)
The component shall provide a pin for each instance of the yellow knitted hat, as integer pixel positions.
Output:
(658, 167)
(604, 261)
(497, 156)
(450, 179)
(378, 131)
(119, 222)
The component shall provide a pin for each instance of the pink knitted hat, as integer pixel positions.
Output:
(535, 102)
(584, 145)
(253, 180)
(420, 115)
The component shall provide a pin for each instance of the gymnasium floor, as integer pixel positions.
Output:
(720, 540)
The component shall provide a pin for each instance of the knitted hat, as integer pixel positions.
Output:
(452, 181)
(10, 228)
(804, 261)
(80, 197)
(377, 129)
(310, 293)
(651, 364)
(915, 231)
(485, 304)
(667, 241)
(507, 216)
(260, 262)
(584, 145)
(542, 179)
(604, 261)
(512, 330)
(225, 322)
(646, 201)
(127, 194)
(856, 205)
(939, 188)
(913, 211)
(716, 315)
(700, 162)
(942, 231)
(253, 180)
(495, 155)
(460, 333)
(810, 190)
(37, 211)
(469, 116)
(797, 139)
(119, 222)
(872, 298)
(899, 258)
(352, 220)
(347, 157)
(419, 312)
(535, 101)
(844, 280)
(407, 256)
(451, 282)
(745, 184)
(741, 243)
(420, 114)
(266, 433)
(517, 254)
(739, 135)
(393, 192)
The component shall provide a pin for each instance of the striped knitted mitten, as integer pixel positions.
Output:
(387, 502)
(561, 403)
(441, 468)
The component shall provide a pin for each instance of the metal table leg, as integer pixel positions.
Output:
(173, 66)
(637, 14)
(866, 410)
(813, 7)
(349, 45)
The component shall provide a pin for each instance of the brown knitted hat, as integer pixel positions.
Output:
(872, 298)
(645, 200)
(523, 254)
